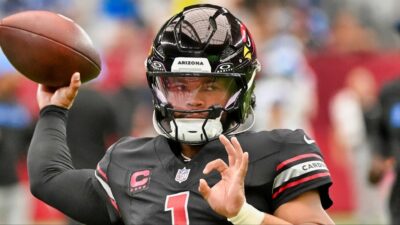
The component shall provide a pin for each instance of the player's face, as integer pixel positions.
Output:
(197, 93)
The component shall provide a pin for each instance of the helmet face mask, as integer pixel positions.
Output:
(201, 71)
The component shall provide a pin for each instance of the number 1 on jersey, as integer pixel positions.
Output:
(177, 204)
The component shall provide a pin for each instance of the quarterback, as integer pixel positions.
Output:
(205, 166)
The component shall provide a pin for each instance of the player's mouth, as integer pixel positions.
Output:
(191, 115)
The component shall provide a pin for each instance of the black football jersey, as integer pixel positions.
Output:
(147, 183)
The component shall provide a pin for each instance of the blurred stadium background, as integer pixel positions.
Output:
(319, 58)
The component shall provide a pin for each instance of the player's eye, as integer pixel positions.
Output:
(211, 86)
(177, 87)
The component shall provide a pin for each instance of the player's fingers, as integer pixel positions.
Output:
(204, 189)
(74, 85)
(229, 149)
(238, 150)
(217, 164)
(236, 144)
(75, 81)
(244, 164)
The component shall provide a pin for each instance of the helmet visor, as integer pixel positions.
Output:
(196, 92)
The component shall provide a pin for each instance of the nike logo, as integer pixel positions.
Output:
(308, 141)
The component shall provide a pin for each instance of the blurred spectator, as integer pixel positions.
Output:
(125, 80)
(305, 19)
(348, 35)
(387, 143)
(378, 16)
(92, 126)
(316, 21)
(286, 89)
(15, 134)
(349, 111)
(134, 104)
(124, 58)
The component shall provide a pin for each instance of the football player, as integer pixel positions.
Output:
(385, 136)
(201, 71)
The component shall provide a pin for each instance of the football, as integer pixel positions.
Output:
(48, 48)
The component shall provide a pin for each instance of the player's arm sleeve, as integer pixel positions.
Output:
(52, 176)
(300, 168)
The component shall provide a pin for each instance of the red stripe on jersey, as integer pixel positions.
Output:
(102, 173)
(297, 182)
(114, 204)
(308, 155)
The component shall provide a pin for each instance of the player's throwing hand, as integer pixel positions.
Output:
(227, 196)
(62, 97)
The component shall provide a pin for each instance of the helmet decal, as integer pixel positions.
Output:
(247, 53)
(243, 33)
(247, 41)
(224, 67)
(187, 64)
(157, 66)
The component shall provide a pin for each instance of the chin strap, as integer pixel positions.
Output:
(191, 129)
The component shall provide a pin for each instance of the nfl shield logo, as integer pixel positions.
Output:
(182, 175)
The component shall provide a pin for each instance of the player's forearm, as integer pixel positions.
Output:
(48, 153)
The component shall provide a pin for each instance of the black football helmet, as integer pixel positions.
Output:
(207, 44)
